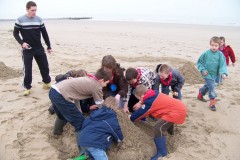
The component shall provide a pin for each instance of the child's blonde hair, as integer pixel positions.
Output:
(111, 103)
(164, 68)
(140, 90)
(215, 39)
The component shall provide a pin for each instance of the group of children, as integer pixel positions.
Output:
(135, 92)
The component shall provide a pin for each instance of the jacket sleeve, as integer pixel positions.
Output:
(123, 86)
(231, 55)
(200, 63)
(222, 65)
(140, 113)
(115, 130)
(129, 92)
(16, 32)
(157, 83)
(45, 36)
(180, 81)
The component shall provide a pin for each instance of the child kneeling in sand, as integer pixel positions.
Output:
(211, 64)
(99, 129)
(160, 106)
(167, 76)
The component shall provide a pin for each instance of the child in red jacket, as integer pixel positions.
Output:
(227, 51)
(160, 106)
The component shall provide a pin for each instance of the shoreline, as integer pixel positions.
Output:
(133, 21)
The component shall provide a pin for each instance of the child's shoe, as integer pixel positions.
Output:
(200, 97)
(212, 105)
(46, 85)
(26, 92)
(82, 157)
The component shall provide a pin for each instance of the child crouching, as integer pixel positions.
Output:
(160, 106)
(99, 130)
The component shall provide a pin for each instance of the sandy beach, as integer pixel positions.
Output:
(26, 126)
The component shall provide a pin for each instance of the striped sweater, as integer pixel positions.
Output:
(31, 29)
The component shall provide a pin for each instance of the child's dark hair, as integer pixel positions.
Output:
(109, 61)
(102, 74)
(30, 4)
(157, 68)
(222, 38)
(131, 73)
(215, 39)
(164, 68)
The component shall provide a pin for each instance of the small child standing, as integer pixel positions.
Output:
(100, 129)
(141, 75)
(227, 51)
(167, 76)
(211, 64)
(167, 110)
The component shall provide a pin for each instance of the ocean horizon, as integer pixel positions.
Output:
(174, 20)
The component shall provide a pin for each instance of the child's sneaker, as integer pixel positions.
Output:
(82, 157)
(46, 85)
(212, 105)
(200, 97)
(26, 92)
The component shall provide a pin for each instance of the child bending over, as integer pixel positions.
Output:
(167, 110)
(100, 129)
(167, 76)
(140, 75)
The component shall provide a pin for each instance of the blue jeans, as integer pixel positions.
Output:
(210, 88)
(95, 153)
(218, 80)
(66, 110)
(166, 90)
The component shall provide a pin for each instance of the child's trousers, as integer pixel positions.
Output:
(161, 127)
(66, 110)
(209, 87)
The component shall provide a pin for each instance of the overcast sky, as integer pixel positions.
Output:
(198, 9)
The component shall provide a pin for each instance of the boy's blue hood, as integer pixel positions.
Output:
(102, 113)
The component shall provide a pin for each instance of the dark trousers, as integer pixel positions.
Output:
(42, 62)
(160, 127)
(166, 90)
(131, 102)
(66, 110)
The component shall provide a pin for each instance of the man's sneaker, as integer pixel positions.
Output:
(46, 85)
(26, 92)
(200, 97)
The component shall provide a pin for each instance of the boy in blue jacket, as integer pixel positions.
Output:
(99, 130)
(211, 64)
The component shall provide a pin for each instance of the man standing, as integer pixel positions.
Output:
(31, 27)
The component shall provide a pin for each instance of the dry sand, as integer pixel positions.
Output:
(26, 126)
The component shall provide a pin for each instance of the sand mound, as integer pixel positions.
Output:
(191, 74)
(137, 144)
(7, 72)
